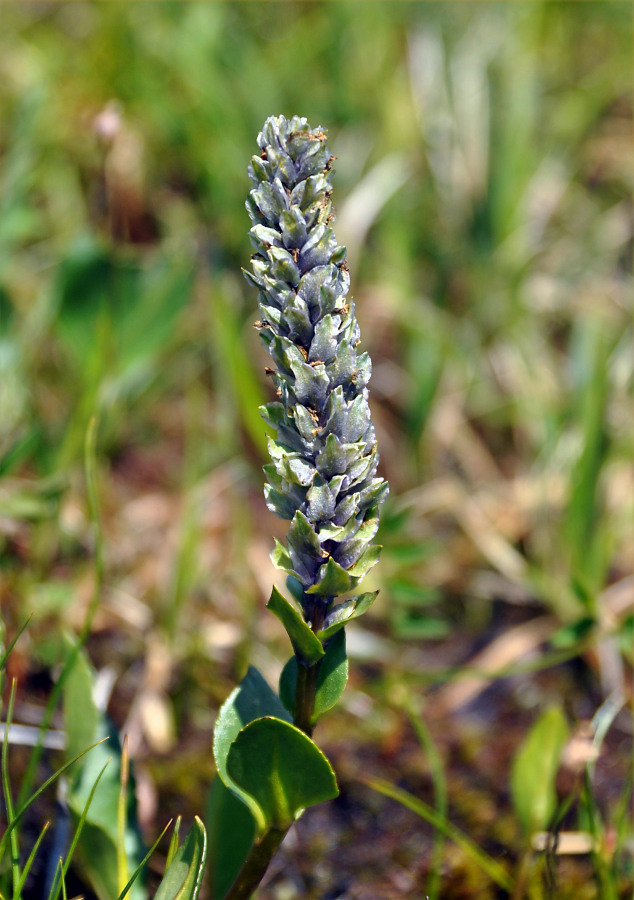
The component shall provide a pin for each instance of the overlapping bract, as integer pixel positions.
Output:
(323, 471)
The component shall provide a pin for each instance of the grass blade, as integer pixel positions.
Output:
(23, 808)
(173, 847)
(55, 889)
(63, 881)
(492, 868)
(139, 868)
(7, 652)
(8, 797)
(122, 817)
(90, 467)
(439, 783)
(29, 862)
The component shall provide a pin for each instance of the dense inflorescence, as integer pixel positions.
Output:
(323, 471)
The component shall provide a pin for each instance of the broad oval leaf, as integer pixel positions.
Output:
(184, 876)
(281, 769)
(252, 699)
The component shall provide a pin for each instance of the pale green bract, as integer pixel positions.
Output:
(322, 474)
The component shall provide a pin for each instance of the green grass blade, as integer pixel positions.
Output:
(8, 797)
(55, 889)
(139, 868)
(488, 865)
(439, 783)
(173, 847)
(622, 822)
(585, 505)
(47, 717)
(63, 881)
(23, 808)
(7, 652)
(58, 879)
(90, 469)
(29, 862)
(237, 380)
(603, 872)
(122, 818)
(51, 705)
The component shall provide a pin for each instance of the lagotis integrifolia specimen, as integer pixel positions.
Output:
(322, 477)
(323, 471)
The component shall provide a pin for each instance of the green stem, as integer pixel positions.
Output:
(307, 676)
(256, 864)
(305, 696)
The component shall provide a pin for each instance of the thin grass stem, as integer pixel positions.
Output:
(7, 653)
(8, 797)
(439, 784)
(489, 865)
(51, 705)
(122, 818)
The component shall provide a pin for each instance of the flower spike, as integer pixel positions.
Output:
(322, 475)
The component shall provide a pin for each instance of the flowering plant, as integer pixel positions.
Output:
(322, 477)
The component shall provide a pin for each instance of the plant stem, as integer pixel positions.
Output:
(307, 676)
(305, 696)
(256, 864)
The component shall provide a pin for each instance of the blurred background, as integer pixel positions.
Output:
(483, 187)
